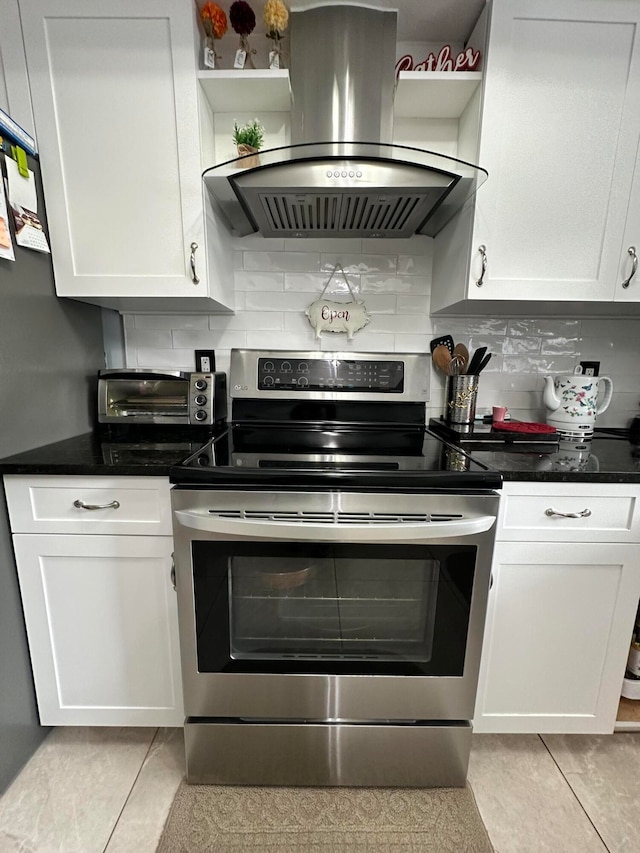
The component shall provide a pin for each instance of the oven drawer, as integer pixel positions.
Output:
(59, 504)
(569, 512)
(247, 753)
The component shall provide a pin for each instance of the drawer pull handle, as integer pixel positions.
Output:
(83, 505)
(584, 514)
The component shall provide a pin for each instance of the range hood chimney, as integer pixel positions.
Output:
(355, 183)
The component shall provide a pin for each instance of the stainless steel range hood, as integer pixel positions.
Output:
(357, 183)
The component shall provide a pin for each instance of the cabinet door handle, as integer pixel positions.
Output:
(483, 254)
(585, 513)
(82, 505)
(172, 573)
(634, 266)
(194, 275)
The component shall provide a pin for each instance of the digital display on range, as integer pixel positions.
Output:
(325, 374)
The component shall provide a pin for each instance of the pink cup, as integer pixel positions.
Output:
(499, 413)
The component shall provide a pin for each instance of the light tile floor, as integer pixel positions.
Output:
(106, 790)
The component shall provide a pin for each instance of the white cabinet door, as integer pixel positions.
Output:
(101, 619)
(114, 92)
(560, 129)
(557, 637)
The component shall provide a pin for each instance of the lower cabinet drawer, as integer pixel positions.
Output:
(568, 512)
(58, 504)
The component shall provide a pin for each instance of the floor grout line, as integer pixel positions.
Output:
(576, 797)
(133, 784)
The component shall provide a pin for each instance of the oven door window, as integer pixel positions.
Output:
(344, 609)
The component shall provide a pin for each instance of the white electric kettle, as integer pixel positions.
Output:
(572, 402)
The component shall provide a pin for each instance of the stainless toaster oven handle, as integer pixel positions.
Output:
(82, 505)
(240, 527)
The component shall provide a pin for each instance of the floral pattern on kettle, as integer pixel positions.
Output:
(578, 400)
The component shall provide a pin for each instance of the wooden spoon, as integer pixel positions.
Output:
(463, 355)
(441, 358)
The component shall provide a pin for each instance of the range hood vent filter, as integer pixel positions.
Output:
(348, 214)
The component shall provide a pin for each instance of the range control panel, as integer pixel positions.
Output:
(329, 374)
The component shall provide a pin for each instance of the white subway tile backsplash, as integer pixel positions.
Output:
(315, 282)
(358, 263)
(171, 321)
(276, 280)
(515, 346)
(539, 364)
(214, 339)
(415, 265)
(282, 261)
(462, 328)
(403, 323)
(249, 320)
(277, 340)
(380, 303)
(363, 341)
(255, 280)
(610, 328)
(296, 321)
(419, 245)
(160, 338)
(559, 346)
(382, 283)
(172, 359)
(413, 305)
(288, 301)
(258, 243)
(328, 245)
(412, 343)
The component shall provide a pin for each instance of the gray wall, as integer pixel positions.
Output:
(50, 352)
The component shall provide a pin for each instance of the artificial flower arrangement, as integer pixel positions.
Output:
(276, 18)
(243, 21)
(214, 22)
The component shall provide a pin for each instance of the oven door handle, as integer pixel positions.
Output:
(264, 529)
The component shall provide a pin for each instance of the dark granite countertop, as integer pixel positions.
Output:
(147, 454)
(609, 458)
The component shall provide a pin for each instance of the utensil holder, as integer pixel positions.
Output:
(460, 399)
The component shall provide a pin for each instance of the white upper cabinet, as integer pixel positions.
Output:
(559, 133)
(115, 100)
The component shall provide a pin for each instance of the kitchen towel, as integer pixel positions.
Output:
(240, 819)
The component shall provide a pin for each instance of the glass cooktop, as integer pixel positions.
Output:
(357, 457)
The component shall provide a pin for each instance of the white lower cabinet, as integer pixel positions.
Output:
(560, 614)
(101, 616)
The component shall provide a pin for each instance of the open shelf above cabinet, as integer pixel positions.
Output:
(434, 94)
(247, 90)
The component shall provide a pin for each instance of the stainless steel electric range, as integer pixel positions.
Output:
(332, 565)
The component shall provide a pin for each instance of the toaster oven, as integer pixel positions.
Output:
(139, 396)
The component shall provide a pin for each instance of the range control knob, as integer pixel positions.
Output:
(200, 415)
(200, 400)
(268, 380)
(200, 384)
(303, 382)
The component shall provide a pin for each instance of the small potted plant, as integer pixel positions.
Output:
(249, 139)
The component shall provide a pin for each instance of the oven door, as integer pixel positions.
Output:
(331, 606)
